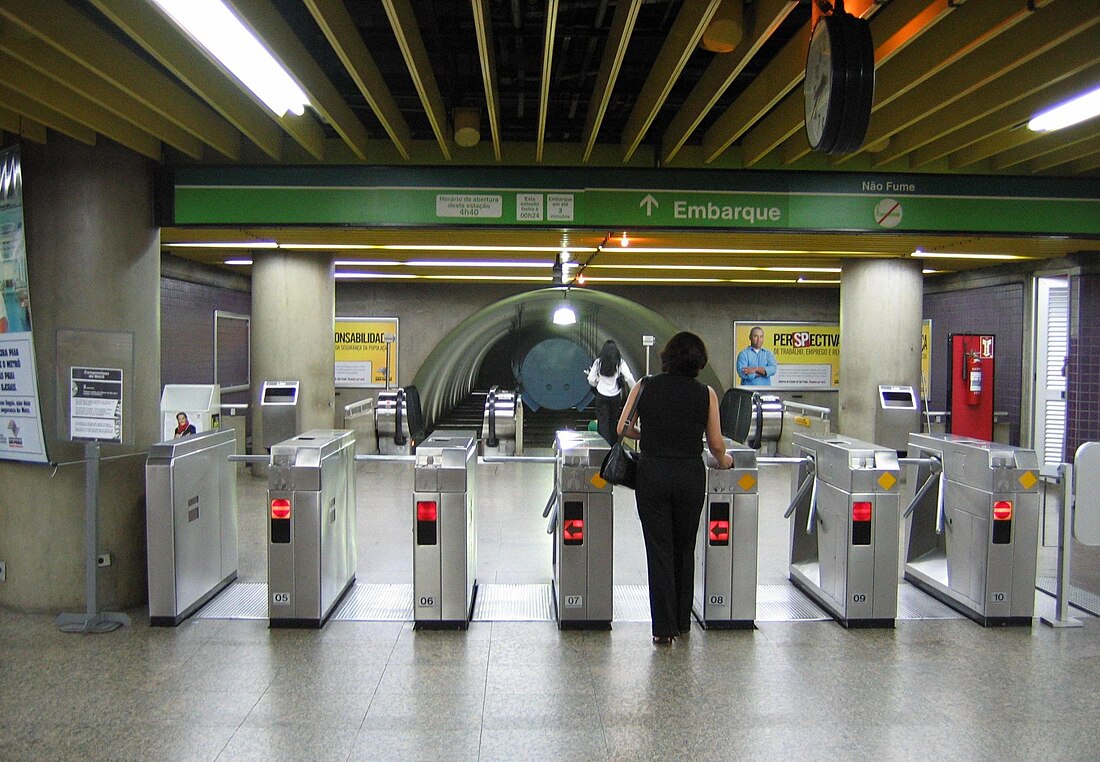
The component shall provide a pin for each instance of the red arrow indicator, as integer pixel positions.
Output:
(719, 532)
(574, 531)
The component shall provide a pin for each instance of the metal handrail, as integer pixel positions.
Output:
(822, 411)
(351, 408)
(517, 459)
(392, 458)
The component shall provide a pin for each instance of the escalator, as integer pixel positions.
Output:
(539, 426)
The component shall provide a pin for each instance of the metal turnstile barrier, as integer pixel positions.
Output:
(502, 423)
(804, 419)
(445, 530)
(844, 535)
(583, 527)
(974, 526)
(311, 551)
(726, 550)
(190, 523)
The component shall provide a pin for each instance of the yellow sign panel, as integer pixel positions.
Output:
(598, 481)
(807, 354)
(887, 480)
(1028, 479)
(747, 482)
(366, 351)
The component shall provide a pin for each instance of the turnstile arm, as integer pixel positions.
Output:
(936, 469)
(810, 482)
(550, 504)
(813, 508)
(941, 508)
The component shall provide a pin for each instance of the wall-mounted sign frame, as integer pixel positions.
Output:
(366, 351)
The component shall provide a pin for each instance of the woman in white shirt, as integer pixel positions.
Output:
(610, 375)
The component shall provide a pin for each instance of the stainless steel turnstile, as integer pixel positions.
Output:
(844, 535)
(584, 533)
(190, 523)
(726, 550)
(311, 552)
(974, 526)
(445, 530)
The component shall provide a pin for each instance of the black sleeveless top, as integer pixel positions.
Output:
(673, 412)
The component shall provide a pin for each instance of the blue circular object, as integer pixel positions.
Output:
(553, 374)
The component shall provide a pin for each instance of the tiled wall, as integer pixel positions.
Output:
(187, 331)
(997, 310)
(1083, 373)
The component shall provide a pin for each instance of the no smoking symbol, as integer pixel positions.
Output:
(888, 213)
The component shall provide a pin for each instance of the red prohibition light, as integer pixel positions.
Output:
(1002, 510)
(861, 510)
(280, 508)
(426, 510)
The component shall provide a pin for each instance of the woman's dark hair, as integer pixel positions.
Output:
(685, 354)
(610, 359)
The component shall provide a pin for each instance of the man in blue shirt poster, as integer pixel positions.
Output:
(756, 365)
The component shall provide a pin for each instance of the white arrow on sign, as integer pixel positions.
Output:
(650, 204)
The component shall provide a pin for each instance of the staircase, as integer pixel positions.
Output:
(539, 427)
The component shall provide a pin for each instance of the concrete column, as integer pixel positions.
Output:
(293, 303)
(93, 262)
(881, 304)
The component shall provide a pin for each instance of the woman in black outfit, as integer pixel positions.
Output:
(675, 411)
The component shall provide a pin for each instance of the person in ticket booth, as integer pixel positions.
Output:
(676, 410)
(756, 365)
(610, 375)
(183, 426)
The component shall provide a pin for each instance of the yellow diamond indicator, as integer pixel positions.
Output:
(1028, 479)
(887, 480)
(598, 481)
(802, 421)
(747, 482)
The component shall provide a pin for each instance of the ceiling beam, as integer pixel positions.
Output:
(549, 33)
(166, 42)
(614, 51)
(50, 62)
(899, 25)
(23, 126)
(28, 107)
(1023, 44)
(340, 30)
(483, 29)
(277, 36)
(78, 37)
(761, 19)
(405, 28)
(1050, 149)
(682, 39)
(36, 86)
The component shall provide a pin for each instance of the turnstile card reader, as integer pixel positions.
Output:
(844, 534)
(279, 412)
(973, 539)
(726, 549)
(190, 523)
(311, 551)
(584, 533)
(445, 530)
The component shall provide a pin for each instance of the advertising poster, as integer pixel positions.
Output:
(20, 423)
(364, 356)
(807, 354)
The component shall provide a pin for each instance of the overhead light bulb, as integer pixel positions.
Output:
(1079, 109)
(624, 241)
(219, 30)
(564, 315)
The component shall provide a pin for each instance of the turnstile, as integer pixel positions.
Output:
(445, 530)
(584, 533)
(726, 549)
(974, 531)
(502, 423)
(190, 523)
(311, 551)
(844, 535)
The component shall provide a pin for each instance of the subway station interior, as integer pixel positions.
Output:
(299, 456)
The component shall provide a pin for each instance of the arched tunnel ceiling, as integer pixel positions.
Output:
(447, 375)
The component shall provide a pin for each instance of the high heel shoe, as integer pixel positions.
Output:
(663, 640)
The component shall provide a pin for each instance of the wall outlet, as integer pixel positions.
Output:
(3, 572)
(103, 559)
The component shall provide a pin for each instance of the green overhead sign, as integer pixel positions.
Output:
(710, 200)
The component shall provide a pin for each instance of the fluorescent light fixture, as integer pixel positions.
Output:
(1083, 107)
(564, 315)
(949, 255)
(223, 245)
(366, 263)
(219, 30)
(420, 247)
(471, 263)
(365, 276)
(510, 278)
(238, 261)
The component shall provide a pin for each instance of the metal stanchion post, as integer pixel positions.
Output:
(1065, 544)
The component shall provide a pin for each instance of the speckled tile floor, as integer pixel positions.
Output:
(232, 689)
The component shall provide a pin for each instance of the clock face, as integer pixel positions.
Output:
(819, 82)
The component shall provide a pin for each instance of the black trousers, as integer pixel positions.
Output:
(608, 410)
(670, 494)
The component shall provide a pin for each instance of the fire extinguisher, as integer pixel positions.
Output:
(974, 379)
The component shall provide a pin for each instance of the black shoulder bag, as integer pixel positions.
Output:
(620, 465)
